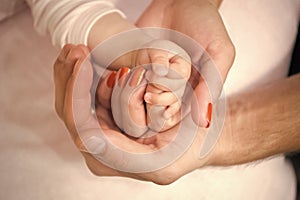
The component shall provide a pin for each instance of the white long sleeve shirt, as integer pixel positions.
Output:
(69, 21)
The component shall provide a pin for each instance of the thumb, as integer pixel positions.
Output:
(207, 91)
(215, 65)
(81, 123)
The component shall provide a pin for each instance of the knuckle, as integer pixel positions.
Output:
(74, 54)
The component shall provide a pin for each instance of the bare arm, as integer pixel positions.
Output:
(263, 122)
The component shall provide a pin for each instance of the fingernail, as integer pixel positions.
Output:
(137, 77)
(209, 114)
(141, 77)
(147, 97)
(95, 145)
(111, 80)
(124, 71)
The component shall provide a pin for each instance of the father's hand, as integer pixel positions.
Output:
(73, 79)
(201, 21)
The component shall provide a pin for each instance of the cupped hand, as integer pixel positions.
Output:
(73, 80)
(201, 21)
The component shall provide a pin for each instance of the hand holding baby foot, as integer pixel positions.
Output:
(167, 77)
(127, 101)
(73, 80)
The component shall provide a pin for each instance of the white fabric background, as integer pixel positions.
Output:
(39, 160)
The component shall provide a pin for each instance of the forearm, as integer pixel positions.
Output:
(265, 121)
(106, 27)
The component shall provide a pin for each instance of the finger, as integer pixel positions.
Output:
(137, 77)
(215, 67)
(122, 76)
(201, 105)
(105, 88)
(159, 61)
(141, 58)
(105, 119)
(172, 110)
(222, 53)
(77, 109)
(163, 99)
(194, 78)
(116, 105)
(133, 110)
(61, 76)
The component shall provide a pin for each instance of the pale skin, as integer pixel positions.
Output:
(155, 94)
(259, 123)
(213, 38)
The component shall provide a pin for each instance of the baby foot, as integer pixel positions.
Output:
(167, 78)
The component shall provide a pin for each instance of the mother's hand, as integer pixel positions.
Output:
(201, 21)
(70, 70)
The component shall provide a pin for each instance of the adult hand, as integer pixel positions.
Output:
(201, 21)
(73, 79)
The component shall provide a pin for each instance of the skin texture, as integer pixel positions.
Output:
(266, 125)
(67, 70)
(164, 90)
(213, 38)
(201, 21)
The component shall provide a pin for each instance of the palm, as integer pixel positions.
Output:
(200, 21)
(106, 122)
(72, 86)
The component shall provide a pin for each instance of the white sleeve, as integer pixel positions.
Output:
(69, 21)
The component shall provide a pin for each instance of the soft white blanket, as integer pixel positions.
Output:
(39, 161)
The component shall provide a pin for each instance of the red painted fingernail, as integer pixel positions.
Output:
(137, 77)
(124, 70)
(209, 114)
(111, 80)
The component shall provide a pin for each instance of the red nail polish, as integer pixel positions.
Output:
(137, 77)
(209, 114)
(124, 70)
(111, 80)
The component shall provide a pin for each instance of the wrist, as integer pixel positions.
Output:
(108, 26)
